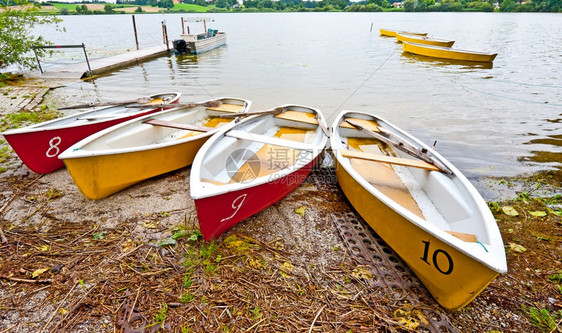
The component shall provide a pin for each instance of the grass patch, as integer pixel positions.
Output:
(543, 319)
(191, 8)
(24, 118)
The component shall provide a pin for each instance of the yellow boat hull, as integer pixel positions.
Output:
(424, 40)
(452, 278)
(392, 33)
(100, 176)
(447, 53)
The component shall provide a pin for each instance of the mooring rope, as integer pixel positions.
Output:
(507, 97)
(362, 84)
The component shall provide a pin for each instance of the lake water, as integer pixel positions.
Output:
(500, 121)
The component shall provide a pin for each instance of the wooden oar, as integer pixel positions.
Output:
(388, 159)
(115, 103)
(322, 126)
(209, 104)
(165, 123)
(234, 115)
(402, 145)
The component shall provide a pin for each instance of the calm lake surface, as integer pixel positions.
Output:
(500, 121)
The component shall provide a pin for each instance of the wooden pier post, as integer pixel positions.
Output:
(135, 29)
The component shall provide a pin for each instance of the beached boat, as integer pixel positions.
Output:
(447, 53)
(244, 169)
(39, 145)
(403, 37)
(392, 33)
(199, 43)
(128, 153)
(422, 207)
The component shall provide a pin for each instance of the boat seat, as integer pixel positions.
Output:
(270, 140)
(302, 117)
(226, 107)
(389, 159)
(270, 159)
(470, 238)
(367, 123)
(381, 175)
(213, 122)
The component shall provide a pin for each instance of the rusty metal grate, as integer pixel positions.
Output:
(390, 272)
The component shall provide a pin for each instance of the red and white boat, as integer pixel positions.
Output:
(39, 145)
(254, 163)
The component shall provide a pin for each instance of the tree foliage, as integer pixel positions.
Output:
(410, 5)
(17, 20)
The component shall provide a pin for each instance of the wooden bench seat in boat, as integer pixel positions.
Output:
(225, 107)
(303, 117)
(384, 178)
(211, 124)
(381, 175)
(282, 150)
(270, 140)
(269, 158)
(367, 123)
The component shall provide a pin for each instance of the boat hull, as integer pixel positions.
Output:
(207, 44)
(451, 277)
(451, 54)
(219, 213)
(40, 147)
(392, 33)
(100, 176)
(424, 40)
(40, 150)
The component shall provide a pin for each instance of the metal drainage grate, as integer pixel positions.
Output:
(390, 272)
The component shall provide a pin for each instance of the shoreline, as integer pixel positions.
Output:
(111, 264)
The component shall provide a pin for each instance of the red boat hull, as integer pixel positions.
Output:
(39, 150)
(219, 213)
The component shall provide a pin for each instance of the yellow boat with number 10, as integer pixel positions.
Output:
(423, 208)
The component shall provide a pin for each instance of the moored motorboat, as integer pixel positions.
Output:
(448, 53)
(39, 145)
(128, 153)
(404, 37)
(248, 167)
(199, 43)
(422, 207)
(392, 33)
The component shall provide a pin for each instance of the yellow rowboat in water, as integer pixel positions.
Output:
(422, 207)
(448, 53)
(125, 154)
(392, 33)
(404, 37)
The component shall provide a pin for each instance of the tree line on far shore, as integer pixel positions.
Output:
(326, 6)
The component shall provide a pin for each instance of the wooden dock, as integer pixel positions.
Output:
(104, 65)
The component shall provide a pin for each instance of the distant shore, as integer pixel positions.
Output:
(267, 6)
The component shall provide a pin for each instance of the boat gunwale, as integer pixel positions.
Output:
(449, 49)
(72, 153)
(40, 127)
(381, 30)
(493, 258)
(196, 187)
(407, 35)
